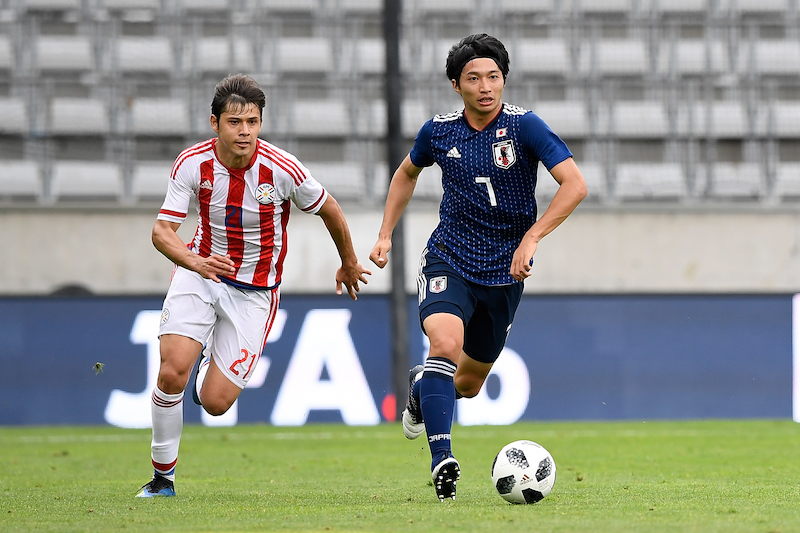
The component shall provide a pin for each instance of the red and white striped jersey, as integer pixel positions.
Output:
(242, 212)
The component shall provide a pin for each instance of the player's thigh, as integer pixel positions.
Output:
(178, 354)
(244, 319)
(188, 308)
(470, 375)
(486, 331)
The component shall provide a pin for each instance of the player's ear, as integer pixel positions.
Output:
(214, 124)
(456, 88)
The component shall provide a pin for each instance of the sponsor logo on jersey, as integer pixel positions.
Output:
(500, 133)
(504, 154)
(206, 184)
(265, 194)
(164, 316)
(438, 284)
(454, 153)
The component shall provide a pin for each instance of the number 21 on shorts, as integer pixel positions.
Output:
(241, 363)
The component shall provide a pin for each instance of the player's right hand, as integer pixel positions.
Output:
(378, 254)
(216, 265)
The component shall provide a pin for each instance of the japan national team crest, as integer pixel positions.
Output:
(504, 155)
(438, 284)
(265, 194)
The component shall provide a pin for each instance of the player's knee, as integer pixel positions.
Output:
(445, 347)
(467, 386)
(172, 380)
(215, 406)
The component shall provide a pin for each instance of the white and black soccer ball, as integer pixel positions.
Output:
(523, 472)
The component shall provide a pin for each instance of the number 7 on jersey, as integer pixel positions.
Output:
(489, 188)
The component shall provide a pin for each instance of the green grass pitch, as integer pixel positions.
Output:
(703, 476)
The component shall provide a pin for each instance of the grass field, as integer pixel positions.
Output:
(703, 476)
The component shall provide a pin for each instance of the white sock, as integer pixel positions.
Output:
(167, 412)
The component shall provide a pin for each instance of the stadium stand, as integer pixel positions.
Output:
(662, 101)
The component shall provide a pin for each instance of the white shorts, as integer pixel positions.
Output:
(232, 324)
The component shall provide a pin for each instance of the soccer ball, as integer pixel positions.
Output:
(523, 472)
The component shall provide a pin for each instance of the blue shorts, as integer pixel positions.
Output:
(486, 310)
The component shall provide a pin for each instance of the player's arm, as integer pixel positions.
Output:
(168, 242)
(401, 188)
(571, 190)
(351, 271)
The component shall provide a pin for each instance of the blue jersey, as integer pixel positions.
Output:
(489, 179)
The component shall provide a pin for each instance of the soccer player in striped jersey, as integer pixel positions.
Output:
(472, 270)
(224, 291)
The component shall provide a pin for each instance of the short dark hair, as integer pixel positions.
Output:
(474, 46)
(237, 90)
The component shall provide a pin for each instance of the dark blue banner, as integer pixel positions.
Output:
(599, 357)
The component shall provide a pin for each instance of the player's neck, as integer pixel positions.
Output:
(479, 120)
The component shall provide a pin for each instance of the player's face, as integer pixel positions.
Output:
(481, 86)
(237, 133)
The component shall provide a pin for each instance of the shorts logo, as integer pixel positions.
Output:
(438, 284)
(504, 155)
(265, 194)
(164, 316)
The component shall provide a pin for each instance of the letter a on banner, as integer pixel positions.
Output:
(325, 343)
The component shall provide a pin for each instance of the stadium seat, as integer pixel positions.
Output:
(15, 116)
(145, 54)
(770, 57)
(509, 8)
(216, 7)
(541, 56)
(360, 7)
(569, 119)
(315, 118)
(641, 120)
(6, 53)
(424, 8)
(754, 7)
(615, 57)
(644, 181)
(787, 180)
(786, 119)
(130, 4)
(593, 174)
(301, 55)
(722, 119)
(669, 7)
(149, 180)
(222, 55)
(64, 53)
(414, 113)
(344, 180)
(50, 5)
(79, 116)
(363, 56)
(591, 7)
(160, 116)
(736, 180)
(85, 180)
(20, 178)
(692, 57)
(290, 6)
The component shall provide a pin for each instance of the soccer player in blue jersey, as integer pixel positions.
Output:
(472, 270)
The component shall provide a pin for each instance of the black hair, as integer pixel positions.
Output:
(474, 46)
(237, 90)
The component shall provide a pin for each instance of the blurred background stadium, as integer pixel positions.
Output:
(679, 101)
(684, 116)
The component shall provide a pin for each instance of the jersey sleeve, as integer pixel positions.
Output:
(421, 154)
(182, 186)
(310, 195)
(539, 140)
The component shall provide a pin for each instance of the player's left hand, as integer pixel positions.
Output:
(522, 261)
(349, 276)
